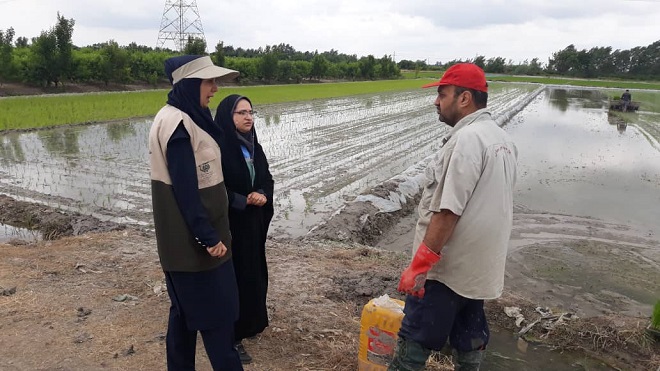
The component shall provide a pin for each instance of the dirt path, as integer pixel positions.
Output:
(98, 301)
(17, 89)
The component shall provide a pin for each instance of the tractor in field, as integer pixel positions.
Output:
(617, 104)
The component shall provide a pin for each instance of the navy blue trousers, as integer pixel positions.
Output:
(443, 315)
(206, 302)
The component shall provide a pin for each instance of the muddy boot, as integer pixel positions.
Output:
(468, 361)
(242, 353)
(409, 356)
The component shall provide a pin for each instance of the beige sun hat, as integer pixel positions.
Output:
(203, 68)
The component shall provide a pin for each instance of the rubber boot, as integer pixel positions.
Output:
(468, 361)
(409, 356)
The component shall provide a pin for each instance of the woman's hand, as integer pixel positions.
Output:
(256, 199)
(217, 251)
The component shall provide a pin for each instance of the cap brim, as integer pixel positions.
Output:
(437, 83)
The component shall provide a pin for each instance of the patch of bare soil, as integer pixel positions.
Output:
(15, 89)
(98, 301)
(361, 221)
(51, 223)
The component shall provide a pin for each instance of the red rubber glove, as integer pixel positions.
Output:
(413, 278)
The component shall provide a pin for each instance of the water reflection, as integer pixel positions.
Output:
(118, 131)
(269, 117)
(621, 127)
(559, 99)
(563, 98)
(506, 352)
(60, 142)
(11, 149)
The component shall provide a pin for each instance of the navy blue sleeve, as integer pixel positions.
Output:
(237, 201)
(183, 172)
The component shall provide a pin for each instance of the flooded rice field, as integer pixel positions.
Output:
(586, 230)
(574, 161)
(586, 225)
(321, 153)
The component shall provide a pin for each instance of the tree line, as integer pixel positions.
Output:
(638, 63)
(51, 59)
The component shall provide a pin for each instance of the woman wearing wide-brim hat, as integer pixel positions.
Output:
(190, 217)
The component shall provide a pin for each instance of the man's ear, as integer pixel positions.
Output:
(465, 99)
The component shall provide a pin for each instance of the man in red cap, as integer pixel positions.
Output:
(462, 234)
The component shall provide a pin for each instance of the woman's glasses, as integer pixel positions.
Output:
(245, 112)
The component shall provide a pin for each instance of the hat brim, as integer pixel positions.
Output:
(220, 74)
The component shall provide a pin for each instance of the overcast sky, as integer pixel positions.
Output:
(434, 30)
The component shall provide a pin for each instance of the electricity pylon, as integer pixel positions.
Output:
(180, 21)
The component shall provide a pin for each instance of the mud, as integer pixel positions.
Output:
(362, 221)
(51, 223)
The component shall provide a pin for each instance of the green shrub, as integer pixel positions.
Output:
(655, 319)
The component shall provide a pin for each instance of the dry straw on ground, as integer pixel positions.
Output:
(63, 315)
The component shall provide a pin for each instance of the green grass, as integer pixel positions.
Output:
(44, 111)
(266, 94)
(421, 74)
(655, 319)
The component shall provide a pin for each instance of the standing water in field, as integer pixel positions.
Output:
(321, 153)
(576, 159)
(9, 233)
(572, 160)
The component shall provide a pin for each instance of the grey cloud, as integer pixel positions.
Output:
(470, 14)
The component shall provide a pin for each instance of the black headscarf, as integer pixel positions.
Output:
(233, 162)
(224, 118)
(185, 96)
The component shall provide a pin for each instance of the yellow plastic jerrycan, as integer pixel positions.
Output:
(379, 326)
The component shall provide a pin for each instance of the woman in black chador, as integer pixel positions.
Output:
(250, 190)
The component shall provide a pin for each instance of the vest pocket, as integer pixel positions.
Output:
(209, 168)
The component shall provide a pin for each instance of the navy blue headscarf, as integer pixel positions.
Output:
(185, 96)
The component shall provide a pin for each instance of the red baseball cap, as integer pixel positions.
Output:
(465, 75)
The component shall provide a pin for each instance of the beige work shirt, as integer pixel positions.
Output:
(473, 175)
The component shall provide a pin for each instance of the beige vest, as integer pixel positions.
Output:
(178, 249)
